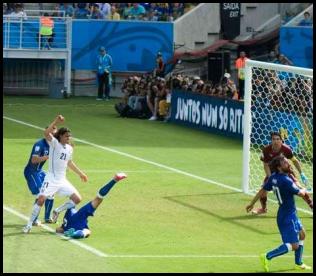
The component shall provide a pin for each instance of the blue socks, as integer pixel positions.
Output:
(105, 189)
(299, 254)
(48, 208)
(283, 249)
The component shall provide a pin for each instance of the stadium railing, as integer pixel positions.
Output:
(20, 33)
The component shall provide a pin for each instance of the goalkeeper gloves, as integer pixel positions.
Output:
(304, 178)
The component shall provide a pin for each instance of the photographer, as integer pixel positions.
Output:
(104, 63)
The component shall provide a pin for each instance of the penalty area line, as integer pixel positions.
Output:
(49, 229)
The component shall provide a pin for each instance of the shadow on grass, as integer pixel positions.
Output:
(234, 220)
(18, 232)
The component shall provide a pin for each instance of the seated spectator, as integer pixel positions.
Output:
(229, 86)
(307, 21)
(67, 8)
(135, 100)
(282, 59)
(164, 104)
(114, 14)
(105, 9)
(95, 12)
(129, 88)
(272, 57)
(81, 12)
(137, 12)
(207, 89)
(161, 95)
(18, 12)
(126, 10)
(151, 16)
(177, 10)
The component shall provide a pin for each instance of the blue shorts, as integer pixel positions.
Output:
(289, 228)
(78, 219)
(34, 180)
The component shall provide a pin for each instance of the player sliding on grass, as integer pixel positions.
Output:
(55, 181)
(289, 224)
(276, 148)
(75, 224)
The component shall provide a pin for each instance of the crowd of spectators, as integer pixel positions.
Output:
(125, 11)
(282, 91)
(14, 10)
(151, 94)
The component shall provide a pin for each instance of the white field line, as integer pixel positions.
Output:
(152, 163)
(78, 243)
(107, 171)
(101, 254)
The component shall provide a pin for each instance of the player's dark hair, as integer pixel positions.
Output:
(275, 163)
(61, 132)
(276, 133)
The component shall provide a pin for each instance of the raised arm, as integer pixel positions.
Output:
(48, 131)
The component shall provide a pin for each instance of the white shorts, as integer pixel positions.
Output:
(62, 187)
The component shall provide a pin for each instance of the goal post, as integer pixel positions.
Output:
(277, 98)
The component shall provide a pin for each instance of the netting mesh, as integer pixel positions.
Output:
(281, 101)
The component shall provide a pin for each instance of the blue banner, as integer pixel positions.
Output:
(132, 45)
(208, 113)
(297, 44)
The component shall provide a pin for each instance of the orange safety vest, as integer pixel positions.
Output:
(47, 25)
(240, 62)
(47, 22)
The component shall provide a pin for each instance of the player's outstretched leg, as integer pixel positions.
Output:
(106, 188)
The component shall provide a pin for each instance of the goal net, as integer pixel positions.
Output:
(277, 98)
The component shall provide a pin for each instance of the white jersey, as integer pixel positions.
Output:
(59, 155)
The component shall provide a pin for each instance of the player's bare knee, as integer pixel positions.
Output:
(76, 198)
(295, 246)
(40, 201)
(302, 235)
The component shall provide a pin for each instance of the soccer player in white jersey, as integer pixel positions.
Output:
(60, 157)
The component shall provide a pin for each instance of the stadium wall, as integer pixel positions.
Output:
(133, 45)
(297, 44)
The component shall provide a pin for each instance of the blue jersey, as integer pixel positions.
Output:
(33, 172)
(288, 223)
(78, 219)
(284, 188)
(40, 148)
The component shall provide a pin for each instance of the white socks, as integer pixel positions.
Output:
(67, 205)
(35, 212)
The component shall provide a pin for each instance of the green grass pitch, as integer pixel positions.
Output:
(172, 213)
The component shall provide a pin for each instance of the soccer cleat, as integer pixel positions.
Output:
(152, 118)
(26, 229)
(259, 211)
(55, 216)
(119, 176)
(302, 267)
(49, 221)
(69, 232)
(265, 262)
(36, 223)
